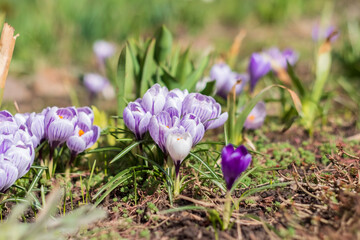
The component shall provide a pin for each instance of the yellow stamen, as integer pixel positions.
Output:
(81, 132)
(167, 126)
(61, 117)
(251, 118)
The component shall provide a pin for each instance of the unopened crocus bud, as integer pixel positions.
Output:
(136, 118)
(256, 117)
(233, 163)
(178, 145)
(259, 66)
(153, 100)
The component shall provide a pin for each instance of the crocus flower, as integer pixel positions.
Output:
(279, 59)
(95, 83)
(8, 124)
(194, 127)
(226, 79)
(85, 115)
(160, 126)
(103, 50)
(259, 66)
(34, 123)
(256, 117)
(136, 118)
(153, 100)
(174, 100)
(83, 138)
(60, 125)
(178, 145)
(233, 163)
(8, 174)
(319, 34)
(206, 109)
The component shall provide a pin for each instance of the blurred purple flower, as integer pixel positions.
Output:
(160, 126)
(103, 50)
(136, 119)
(226, 79)
(95, 83)
(60, 125)
(206, 109)
(320, 34)
(256, 117)
(280, 59)
(233, 163)
(259, 66)
(153, 100)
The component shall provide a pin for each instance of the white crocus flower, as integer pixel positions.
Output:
(178, 146)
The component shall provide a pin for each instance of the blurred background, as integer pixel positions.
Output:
(55, 47)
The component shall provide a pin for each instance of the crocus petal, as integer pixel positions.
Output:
(218, 122)
(76, 144)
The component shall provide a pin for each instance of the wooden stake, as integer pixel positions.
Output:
(7, 43)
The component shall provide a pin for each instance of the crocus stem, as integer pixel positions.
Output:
(227, 211)
(51, 162)
(177, 179)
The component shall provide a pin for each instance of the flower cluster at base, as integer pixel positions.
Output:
(181, 115)
(22, 133)
(234, 162)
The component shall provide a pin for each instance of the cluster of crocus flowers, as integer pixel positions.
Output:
(233, 163)
(16, 150)
(269, 60)
(176, 119)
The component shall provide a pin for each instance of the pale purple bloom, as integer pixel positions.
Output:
(85, 115)
(95, 83)
(319, 34)
(136, 118)
(259, 66)
(60, 125)
(206, 109)
(226, 79)
(174, 100)
(256, 117)
(34, 124)
(8, 174)
(233, 163)
(103, 50)
(83, 138)
(8, 124)
(160, 126)
(194, 127)
(280, 59)
(154, 99)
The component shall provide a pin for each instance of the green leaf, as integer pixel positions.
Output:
(184, 67)
(196, 75)
(148, 68)
(163, 44)
(295, 80)
(125, 151)
(209, 89)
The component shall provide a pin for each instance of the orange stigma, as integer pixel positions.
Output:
(81, 132)
(61, 117)
(251, 118)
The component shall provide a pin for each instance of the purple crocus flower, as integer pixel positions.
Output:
(8, 174)
(136, 118)
(256, 117)
(60, 125)
(34, 123)
(174, 100)
(160, 126)
(85, 115)
(103, 50)
(233, 163)
(8, 124)
(319, 34)
(194, 127)
(259, 66)
(95, 83)
(226, 79)
(279, 59)
(83, 138)
(206, 109)
(154, 99)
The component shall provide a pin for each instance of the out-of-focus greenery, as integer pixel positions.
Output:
(64, 31)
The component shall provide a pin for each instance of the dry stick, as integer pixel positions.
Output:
(7, 43)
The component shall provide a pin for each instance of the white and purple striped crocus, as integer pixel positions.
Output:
(59, 125)
(16, 150)
(206, 109)
(154, 99)
(174, 100)
(136, 118)
(226, 79)
(233, 163)
(35, 126)
(256, 117)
